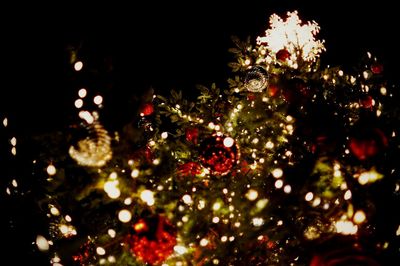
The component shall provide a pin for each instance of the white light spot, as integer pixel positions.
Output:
(187, 199)
(211, 125)
(54, 211)
(216, 206)
(78, 103)
(180, 250)
(164, 135)
(111, 188)
(14, 183)
(228, 142)
(78, 66)
(82, 93)
(13, 141)
(277, 173)
(279, 184)
(156, 161)
(111, 233)
(201, 204)
(309, 196)
(63, 229)
(215, 220)
(51, 170)
(68, 218)
(398, 231)
(100, 251)
(111, 259)
(346, 227)
(347, 195)
(5, 122)
(252, 194)
(42, 243)
(204, 242)
(269, 145)
(287, 189)
(148, 197)
(135, 173)
(124, 216)
(359, 217)
(185, 219)
(258, 221)
(316, 202)
(98, 99)
(224, 238)
(13, 151)
(128, 201)
(87, 116)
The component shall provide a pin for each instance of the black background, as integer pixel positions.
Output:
(126, 49)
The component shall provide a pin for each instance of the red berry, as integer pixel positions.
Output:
(282, 55)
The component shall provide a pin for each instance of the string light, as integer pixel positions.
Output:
(78, 66)
(124, 216)
(42, 243)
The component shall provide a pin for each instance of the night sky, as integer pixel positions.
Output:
(127, 49)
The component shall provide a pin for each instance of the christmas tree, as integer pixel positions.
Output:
(292, 163)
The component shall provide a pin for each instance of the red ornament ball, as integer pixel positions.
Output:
(377, 68)
(189, 169)
(219, 153)
(153, 239)
(367, 102)
(146, 109)
(192, 135)
(367, 143)
(341, 251)
(283, 55)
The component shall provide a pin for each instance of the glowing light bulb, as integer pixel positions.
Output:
(216, 206)
(98, 99)
(54, 211)
(252, 194)
(82, 93)
(51, 170)
(187, 199)
(180, 250)
(359, 217)
(278, 183)
(78, 66)
(148, 197)
(78, 103)
(309, 196)
(258, 221)
(277, 173)
(164, 135)
(42, 243)
(100, 251)
(228, 142)
(135, 173)
(347, 195)
(287, 189)
(346, 227)
(204, 242)
(111, 233)
(124, 216)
